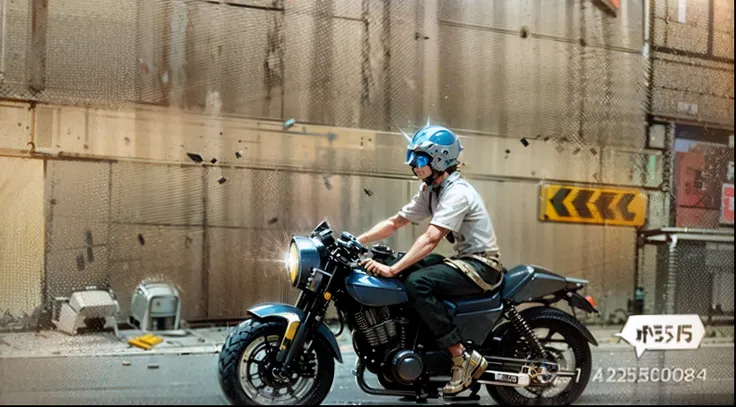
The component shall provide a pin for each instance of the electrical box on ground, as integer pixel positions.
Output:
(155, 307)
(88, 310)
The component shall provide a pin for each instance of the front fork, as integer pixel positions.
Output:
(300, 333)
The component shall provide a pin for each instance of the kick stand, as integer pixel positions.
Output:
(472, 398)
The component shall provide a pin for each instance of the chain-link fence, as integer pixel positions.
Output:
(686, 271)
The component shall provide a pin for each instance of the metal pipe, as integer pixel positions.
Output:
(671, 276)
(3, 10)
(359, 372)
(647, 25)
(692, 231)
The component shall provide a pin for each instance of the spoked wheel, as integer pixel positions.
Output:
(564, 345)
(249, 373)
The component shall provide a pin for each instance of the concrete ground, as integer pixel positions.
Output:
(54, 368)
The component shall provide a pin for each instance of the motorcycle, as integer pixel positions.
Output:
(286, 354)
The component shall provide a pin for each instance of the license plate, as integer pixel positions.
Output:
(501, 377)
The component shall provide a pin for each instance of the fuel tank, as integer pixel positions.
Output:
(375, 291)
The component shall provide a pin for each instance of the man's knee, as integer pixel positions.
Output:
(417, 285)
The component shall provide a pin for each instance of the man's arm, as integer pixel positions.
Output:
(414, 211)
(383, 230)
(422, 247)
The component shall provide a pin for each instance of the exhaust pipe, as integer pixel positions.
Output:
(495, 378)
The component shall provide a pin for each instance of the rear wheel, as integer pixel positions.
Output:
(563, 344)
(248, 374)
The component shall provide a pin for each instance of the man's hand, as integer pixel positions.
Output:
(377, 269)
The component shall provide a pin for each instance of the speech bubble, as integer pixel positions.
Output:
(662, 332)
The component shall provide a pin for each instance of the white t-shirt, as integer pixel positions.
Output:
(458, 208)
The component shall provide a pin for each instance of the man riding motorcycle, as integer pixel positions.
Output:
(457, 212)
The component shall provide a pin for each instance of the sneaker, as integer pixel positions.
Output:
(465, 369)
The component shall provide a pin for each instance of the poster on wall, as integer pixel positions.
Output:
(701, 169)
(690, 184)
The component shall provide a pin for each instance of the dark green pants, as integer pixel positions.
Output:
(430, 281)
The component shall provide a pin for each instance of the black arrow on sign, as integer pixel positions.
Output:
(557, 201)
(603, 204)
(581, 203)
(623, 207)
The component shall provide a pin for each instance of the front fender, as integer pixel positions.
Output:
(290, 313)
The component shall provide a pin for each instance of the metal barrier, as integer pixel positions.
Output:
(687, 271)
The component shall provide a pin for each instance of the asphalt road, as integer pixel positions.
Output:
(192, 379)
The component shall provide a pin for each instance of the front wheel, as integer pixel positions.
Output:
(247, 368)
(563, 344)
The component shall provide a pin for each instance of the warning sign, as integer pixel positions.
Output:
(727, 204)
(561, 203)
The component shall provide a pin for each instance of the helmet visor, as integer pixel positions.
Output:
(416, 159)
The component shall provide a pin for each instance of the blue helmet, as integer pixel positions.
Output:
(439, 145)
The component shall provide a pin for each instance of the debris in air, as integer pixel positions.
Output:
(593, 151)
(214, 160)
(272, 221)
(560, 149)
(546, 138)
(141, 239)
(524, 142)
(508, 151)
(326, 180)
(238, 154)
(195, 157)
(577, 150)
(289, 123)
(368, 191)
(80, 262)
(222, 180)
(524, 32)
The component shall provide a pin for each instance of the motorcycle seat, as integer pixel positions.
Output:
(485, 302)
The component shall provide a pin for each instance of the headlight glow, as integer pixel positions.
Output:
(302, 257)
(292, 263)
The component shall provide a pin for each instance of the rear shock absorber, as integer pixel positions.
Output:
(523, 328)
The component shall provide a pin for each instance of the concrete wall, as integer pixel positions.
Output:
(21, 236)
(577, 75)
(116, 174)
(143, 83)
(692, 60)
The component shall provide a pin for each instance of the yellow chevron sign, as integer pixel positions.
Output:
(563, 203)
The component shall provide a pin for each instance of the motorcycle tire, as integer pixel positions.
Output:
(243, 336)
(562, 323)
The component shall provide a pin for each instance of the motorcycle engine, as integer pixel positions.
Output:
(386, 339)
(376, 325)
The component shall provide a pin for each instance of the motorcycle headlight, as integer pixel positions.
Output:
(303, 256)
